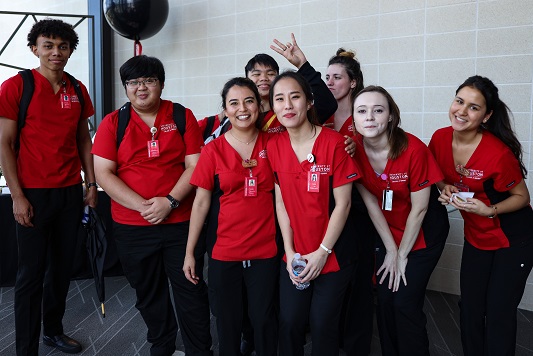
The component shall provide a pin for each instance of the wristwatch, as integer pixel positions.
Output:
(173, 202)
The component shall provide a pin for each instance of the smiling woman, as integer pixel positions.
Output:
(480, 153)
(313, 188)
(235, 185)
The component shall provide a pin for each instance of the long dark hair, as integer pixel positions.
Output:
(499, 123)
(312, 116)
(245, 83)
(395, 134)
(352, 66)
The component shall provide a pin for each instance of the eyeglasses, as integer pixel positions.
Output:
(150, 82)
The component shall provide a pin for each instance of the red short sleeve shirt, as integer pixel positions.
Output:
(48, 155)
(149, 177)
(491, 165)
(202, 124)
(271, 123)
(309, 211)
(245, 224)
(347, 127)
(414, 170)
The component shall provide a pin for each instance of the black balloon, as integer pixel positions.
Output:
(136, 19)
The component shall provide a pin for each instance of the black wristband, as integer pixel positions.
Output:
(91, 184)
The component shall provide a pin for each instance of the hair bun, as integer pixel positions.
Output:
(341, 52)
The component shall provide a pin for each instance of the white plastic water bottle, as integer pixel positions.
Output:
(298, 265)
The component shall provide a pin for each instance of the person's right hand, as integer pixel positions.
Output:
(446, 193)
(291, 51)
(389, 266)
(23, 211)
(189, 265)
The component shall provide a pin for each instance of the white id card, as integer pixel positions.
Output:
(387, 200)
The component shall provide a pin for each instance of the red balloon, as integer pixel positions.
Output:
(136, 19)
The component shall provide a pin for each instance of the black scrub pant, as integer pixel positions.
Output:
(45, 255)
(400, 315)
(321, 304)
(357, 318)
(151, 256)
(227, 279)
(492, 285)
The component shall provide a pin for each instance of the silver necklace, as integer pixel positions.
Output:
(247, 143)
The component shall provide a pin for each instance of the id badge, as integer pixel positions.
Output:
(313, 182)
(153, 148)
(250, 186)
(462, 187)
(387, 200)
(65, 101)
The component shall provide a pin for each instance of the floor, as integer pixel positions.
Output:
(122, 331)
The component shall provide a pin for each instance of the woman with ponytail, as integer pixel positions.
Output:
(345, 79)
(480, 153)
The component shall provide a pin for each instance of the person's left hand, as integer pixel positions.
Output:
(350, 146)
(473, 205)
(91, 197)
(291, 51)
(315, 263)
(158, 210)
(400, 275)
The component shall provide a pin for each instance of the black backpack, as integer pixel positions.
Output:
(27, 93)
(208, 131)
(178, 114)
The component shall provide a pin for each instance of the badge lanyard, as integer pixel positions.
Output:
(463, 172)
(386, 202)
(250, 182)
(153, 144)
(313, 177)
(65, 98)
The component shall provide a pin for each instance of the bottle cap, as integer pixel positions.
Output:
(297, 256)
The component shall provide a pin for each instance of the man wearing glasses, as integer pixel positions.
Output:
(147, 174)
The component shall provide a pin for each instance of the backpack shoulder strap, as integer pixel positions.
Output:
(27, 93)
(124, 115)
(178, 113)
(209, 126)
(77, 89)
(123, 121)
(28, 87)
(226, 125)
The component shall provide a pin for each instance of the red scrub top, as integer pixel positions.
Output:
(309, 212)
(149, 177)
(493, 171)
(48, 155)
(245, 225)
(346, 128)
(414, 170)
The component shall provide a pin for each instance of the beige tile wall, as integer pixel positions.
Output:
(420, 50)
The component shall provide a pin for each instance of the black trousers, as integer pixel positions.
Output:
(400, 315)
(357, 318)
(227, 281)
(151, 256)
(45, 259)
(492, 285)
(320, 304)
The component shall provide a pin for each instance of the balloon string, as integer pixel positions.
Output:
(137, 48)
